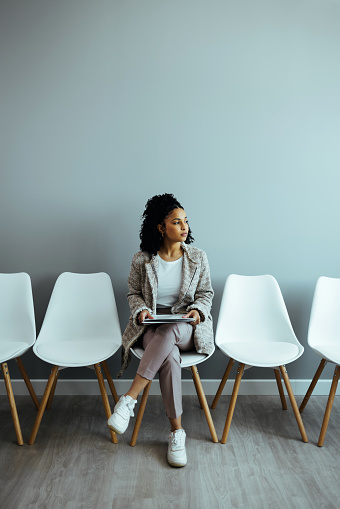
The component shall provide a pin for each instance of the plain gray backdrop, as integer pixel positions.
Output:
(232, 105)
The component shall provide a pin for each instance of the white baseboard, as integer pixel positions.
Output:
(247, 387)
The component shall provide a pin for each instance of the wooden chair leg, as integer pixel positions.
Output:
(140, 414)
(232, 403)
(110, 381)
(27, 382)
(293, 403)
(43, 404)
(279, 386)
(329, 406)
(50, 399)
(223, 382)
(203, 402)
(197, 390)
(312, 385)
(12, 405)
(105, 399)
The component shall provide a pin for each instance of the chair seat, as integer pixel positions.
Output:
(9, 349)
(262, 353)
(191, 358)
(330, 352)
(75, 353)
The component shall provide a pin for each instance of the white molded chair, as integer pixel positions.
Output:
(324, 339)
(188, 360)
(80, 328)
(254, 329)
(17, 333)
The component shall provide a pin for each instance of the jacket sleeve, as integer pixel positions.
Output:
(204, 293)
(135, 294)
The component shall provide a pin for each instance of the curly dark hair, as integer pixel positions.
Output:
(156, 210)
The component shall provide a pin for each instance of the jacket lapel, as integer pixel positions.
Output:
(151, 268)
(188, 273)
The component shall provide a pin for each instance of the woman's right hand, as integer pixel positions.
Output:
(144, 314)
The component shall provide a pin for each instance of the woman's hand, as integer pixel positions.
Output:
(193, 314)
(144, 314)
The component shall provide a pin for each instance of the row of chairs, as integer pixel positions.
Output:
(81, 328)
(254, 329)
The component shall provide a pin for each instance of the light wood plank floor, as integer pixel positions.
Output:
(264, 464)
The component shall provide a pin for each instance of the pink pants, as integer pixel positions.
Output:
(162, 345)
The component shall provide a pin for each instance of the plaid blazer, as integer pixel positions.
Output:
(196, 293)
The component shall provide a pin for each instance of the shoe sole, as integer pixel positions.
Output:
(173, 464)
(116, 430)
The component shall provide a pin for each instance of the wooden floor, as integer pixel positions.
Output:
(264, 464)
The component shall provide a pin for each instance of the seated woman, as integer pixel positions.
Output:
(167, 276)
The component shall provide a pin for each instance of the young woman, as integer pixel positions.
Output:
(167, 276)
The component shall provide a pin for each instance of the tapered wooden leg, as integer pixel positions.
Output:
(293, 403)
(110, 381)
(50, 399)
(140, 414)
(27, 382)
(232, 403)
(223, 382)
(312, 385)
(203, 401)
(279, 386)
(329, 406)
(43, 404)
(197, 391)
(105, 399)
(12, 405)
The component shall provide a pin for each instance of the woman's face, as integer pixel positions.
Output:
(175, 226)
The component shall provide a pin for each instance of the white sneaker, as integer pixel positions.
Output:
(177, 456)
(122, 412)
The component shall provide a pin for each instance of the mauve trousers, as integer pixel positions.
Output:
(162, 345)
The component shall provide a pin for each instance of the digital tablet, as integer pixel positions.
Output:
(167, 319)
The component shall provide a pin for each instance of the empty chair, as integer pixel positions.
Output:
(324, 339)
(17, 333)
(254, 329)
(80, 328)
(188, 360)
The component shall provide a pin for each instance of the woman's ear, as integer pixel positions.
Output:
(161, 229)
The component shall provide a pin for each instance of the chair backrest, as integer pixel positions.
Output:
(82, 306)
(17, 322)
(253, 308)
(324, 323)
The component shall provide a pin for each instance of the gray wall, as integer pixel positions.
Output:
(232, 105)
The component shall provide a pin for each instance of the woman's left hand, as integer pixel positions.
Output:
(193, 314)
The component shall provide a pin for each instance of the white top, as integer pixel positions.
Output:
(169, 281)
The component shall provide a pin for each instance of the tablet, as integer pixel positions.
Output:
(167, 319)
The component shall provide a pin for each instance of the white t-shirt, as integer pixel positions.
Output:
(169, 281)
